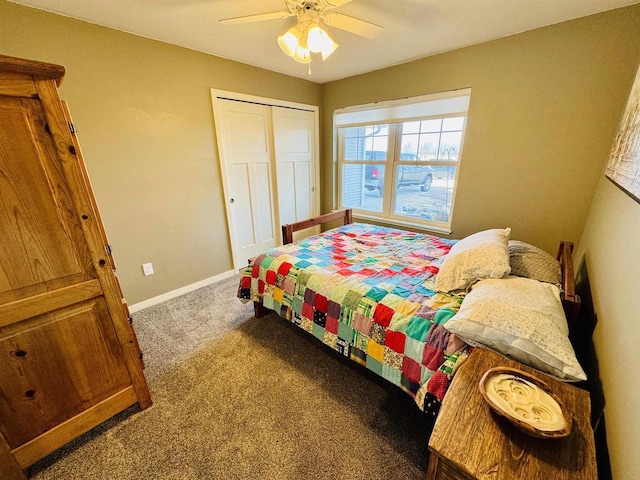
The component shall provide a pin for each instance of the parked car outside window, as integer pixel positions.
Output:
(407, 175)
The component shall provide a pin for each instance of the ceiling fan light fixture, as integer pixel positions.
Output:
(302, 55)
(328, 47)
(290, 40)
(316, 37)
(319, 41)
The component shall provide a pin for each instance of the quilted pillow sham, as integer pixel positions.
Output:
(532, 262)
(481, 255)
(521, 319)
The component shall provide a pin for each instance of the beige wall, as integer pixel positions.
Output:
(544, 108)
(610, 246)
(145, 121)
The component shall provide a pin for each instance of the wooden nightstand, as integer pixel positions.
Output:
(469, 441)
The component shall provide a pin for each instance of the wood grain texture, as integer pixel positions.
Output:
(16, 85)
(31, 68)
(75, 177)
(38, 245)
(79, 351)
(289, 229)
(469, 441)
(85, 174)
(30, 452)
(69, 357)
(9, 468)
(38, 304)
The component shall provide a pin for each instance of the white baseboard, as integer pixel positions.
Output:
(180, 291)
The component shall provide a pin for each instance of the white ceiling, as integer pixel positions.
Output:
(412, 28)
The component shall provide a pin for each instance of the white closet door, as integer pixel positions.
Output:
(245, 139)
(295, 144)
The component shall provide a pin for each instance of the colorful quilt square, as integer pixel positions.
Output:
(318, 331)
(375, 350)
(393, 359)
(330, 339)
(358, 356)
(333, 309)
(382, 315)
(345, 332)
(321, 303)
(414, 349)
(376, 294)
(418, 328)
(374, 365)
(309, 296)
(411, 369)
(378, 333)
(391, 374)
(320, 318)
(362, 323)
(307, 311)
(395, 341)
(306, 324)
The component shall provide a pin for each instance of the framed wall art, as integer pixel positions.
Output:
(623, 168)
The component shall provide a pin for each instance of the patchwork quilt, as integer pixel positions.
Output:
(367, 292)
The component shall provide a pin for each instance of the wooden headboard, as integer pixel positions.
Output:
(570, 300)
(287, 230)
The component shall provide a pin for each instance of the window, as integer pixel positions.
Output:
(402, 170)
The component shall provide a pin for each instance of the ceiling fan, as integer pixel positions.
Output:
(307, 36)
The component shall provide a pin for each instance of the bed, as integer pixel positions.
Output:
(372, 294)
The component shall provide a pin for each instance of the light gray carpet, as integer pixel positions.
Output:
(237, 397)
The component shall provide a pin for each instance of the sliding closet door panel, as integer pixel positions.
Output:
(244, 138)
(303, 198)
(294, 139)
(264, 205)
(242, 205)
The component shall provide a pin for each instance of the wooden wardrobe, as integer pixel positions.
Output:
(69, 358)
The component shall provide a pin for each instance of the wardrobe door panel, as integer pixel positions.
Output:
(42, 246)
(78, 349)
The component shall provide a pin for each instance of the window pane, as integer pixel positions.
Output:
(351, 132)
(410, 127)
(366, 143)
(450, 145)
(362, 187)
(410, 144)
(379, 155)
(353, 149)
(379, 144)
(424, 192)
(429, 126)
(429, 146)
(454, 123)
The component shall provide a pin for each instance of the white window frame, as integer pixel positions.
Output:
(394, 114)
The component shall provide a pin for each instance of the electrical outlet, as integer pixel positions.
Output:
(147, 269)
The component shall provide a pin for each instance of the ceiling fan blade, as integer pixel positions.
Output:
(256, 18)
(352, 24)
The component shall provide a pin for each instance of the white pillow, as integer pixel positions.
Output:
(521, 319)
(481, 255)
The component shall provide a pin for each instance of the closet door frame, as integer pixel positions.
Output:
(217, 94)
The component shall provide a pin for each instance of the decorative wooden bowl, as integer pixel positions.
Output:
(526, 401)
